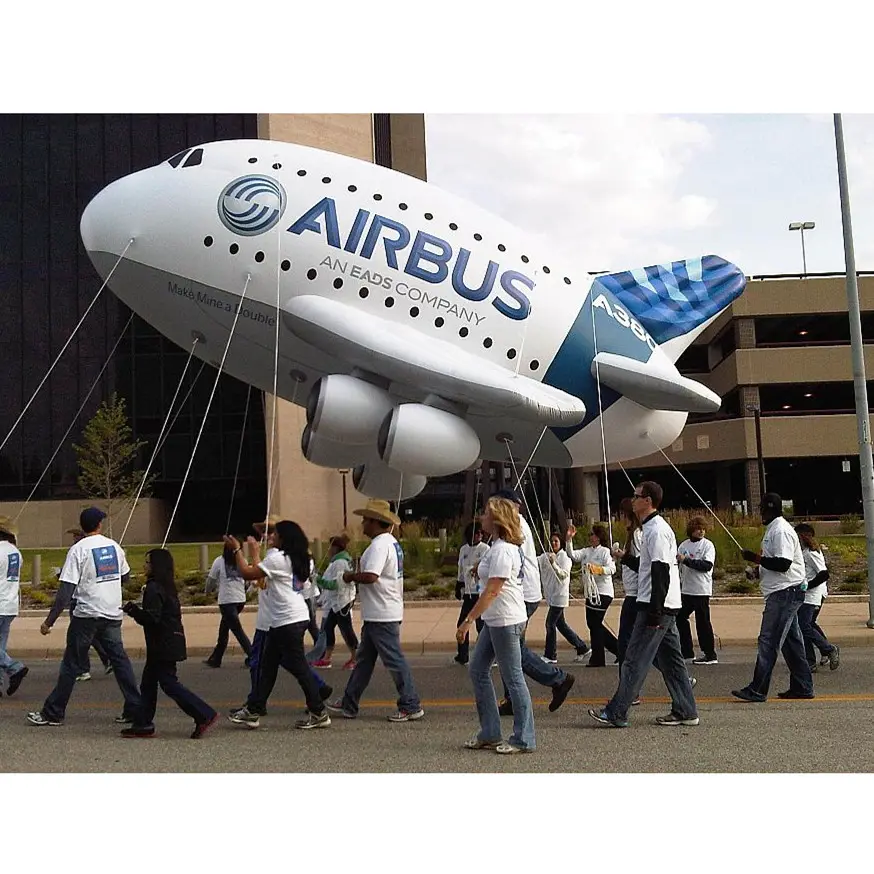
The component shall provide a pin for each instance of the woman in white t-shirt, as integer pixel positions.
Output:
(467, 586)
(696, 558)
(816, 575)
(502, 607)
(337, 599)
(598, 561)
(629, 559)
(555, 577)
(284, 573)
(224, 576)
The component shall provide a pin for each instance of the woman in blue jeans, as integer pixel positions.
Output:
(502, 608)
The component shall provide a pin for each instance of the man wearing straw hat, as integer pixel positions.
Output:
(380, 578)
(10, 578)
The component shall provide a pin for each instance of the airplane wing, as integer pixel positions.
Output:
(398, 353)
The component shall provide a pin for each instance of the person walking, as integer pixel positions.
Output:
(224, 576)
(816, 575)
(161, 618)
(597, 561)
(10, 580)
(467, 587)
(380, 578)
(555, 576)
(502, 608)
(337, 599)
(654, 635)
(94, 570)
(629, 560)
(696, 559)
(780, 568)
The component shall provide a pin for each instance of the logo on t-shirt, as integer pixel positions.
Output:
(399, 552)
(13, 567)
(296, 584)
(105, 563)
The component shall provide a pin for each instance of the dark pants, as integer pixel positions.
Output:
(780, 632)
(96, 645)
(811, 632)
(467, 604)
(700, 606)
(163, 674)
(532, 665)
(343, 621)
(80, 636)
(313, 626)
(602, 637)
(230, 623)
(256, 655)
(626, 624)
(284, 646)
(555, 622)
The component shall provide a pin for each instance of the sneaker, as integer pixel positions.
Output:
(635, 702)
(581, 656)
(244, 716)
(325, 692)
(549, 661)
(337, 707)
(201, 728)
(350, 665)
(834, 660)
(139, 731)
(108, 669)
(477, 744)
(123, 720)
(693, 682)
(602, 717)
(508, 749)
(705, 660)
(83, 677)
(505, 707)
(211, 664)
(314, 720)
(36, 718)
(746, 695)
(322, 663)
(406, 715)
(15, 680)
(824, 660)
(790, 694)
(457, 661)
(560, 692)
(673, 719)
(494, 664)
(813, 667)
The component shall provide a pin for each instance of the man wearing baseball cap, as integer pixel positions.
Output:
(10, 578)
(94, 571)
(380, 581)
(780, 567)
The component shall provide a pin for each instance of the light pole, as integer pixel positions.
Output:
(757, 414)
(802, 226)
(863, 425)
(344, 473)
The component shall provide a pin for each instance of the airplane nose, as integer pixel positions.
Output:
(101, 225)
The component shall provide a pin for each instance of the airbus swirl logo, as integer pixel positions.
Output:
(251, 205)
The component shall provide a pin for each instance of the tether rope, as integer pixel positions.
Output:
(239, 456)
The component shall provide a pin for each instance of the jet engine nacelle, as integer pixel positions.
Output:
(378, 480)
(416, 438)
(325, 452)
(345, 408)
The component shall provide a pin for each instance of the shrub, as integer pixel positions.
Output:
(855, 583)
(850, 524)
(436, 591)
(411, 584)
(742, 587)
(200, 600)
(718, 573)
(427, 578)
(40, 598)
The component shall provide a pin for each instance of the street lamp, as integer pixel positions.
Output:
(757, 413)
(802, 226)
(344, 472)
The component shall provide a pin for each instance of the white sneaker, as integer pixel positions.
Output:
(549, 661)
(83, 677)
(704, 660)
(582, 657)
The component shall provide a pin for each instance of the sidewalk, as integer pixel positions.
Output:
(429, 627)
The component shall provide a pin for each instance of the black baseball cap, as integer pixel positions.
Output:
(89, 519)
(773, 502)
(508, 495)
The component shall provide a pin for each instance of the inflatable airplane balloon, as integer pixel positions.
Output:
(421, 332)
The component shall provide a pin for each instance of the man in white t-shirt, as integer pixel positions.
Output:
(380, 581)
(780, 567)
(93, 573)
(654, 635)
(10, 578)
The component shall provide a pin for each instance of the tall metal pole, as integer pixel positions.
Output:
(863, 424)
(803, 253)
(758, 417)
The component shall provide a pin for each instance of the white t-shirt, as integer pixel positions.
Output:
(781, 541)
(530, 570)
(468, 556)
(629, 575)
(658, 544)
(231, 586)
(95, 566)
(555, 575)
(10, 578)
(814, 563)
(286, 601)
(504, 560)
(383, 601)
(694, 582)
(337, 599)
(600, 556)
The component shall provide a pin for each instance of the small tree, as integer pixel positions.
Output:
(107, 457)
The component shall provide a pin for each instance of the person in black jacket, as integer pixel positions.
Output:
(161, 618)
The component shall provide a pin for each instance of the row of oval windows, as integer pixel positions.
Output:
(428, 216)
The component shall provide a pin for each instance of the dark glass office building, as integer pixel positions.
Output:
(50, 167)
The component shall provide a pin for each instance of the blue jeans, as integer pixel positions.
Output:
(80, 636)
(8, 664)
(626, 624)
(813, 635)
(381, 639)
(780, 632)
(532, 665)
(555, 621)
(505, 644)
(255, 662)
(661, 644)
(321, 643)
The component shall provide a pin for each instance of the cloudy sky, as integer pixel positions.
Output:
(628, 190)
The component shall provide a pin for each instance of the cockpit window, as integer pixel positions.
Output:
(177, 158)
(194, 158)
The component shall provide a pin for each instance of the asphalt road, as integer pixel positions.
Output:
(830, 734)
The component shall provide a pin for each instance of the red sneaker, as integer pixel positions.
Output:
(350, 665)
(322, 663)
